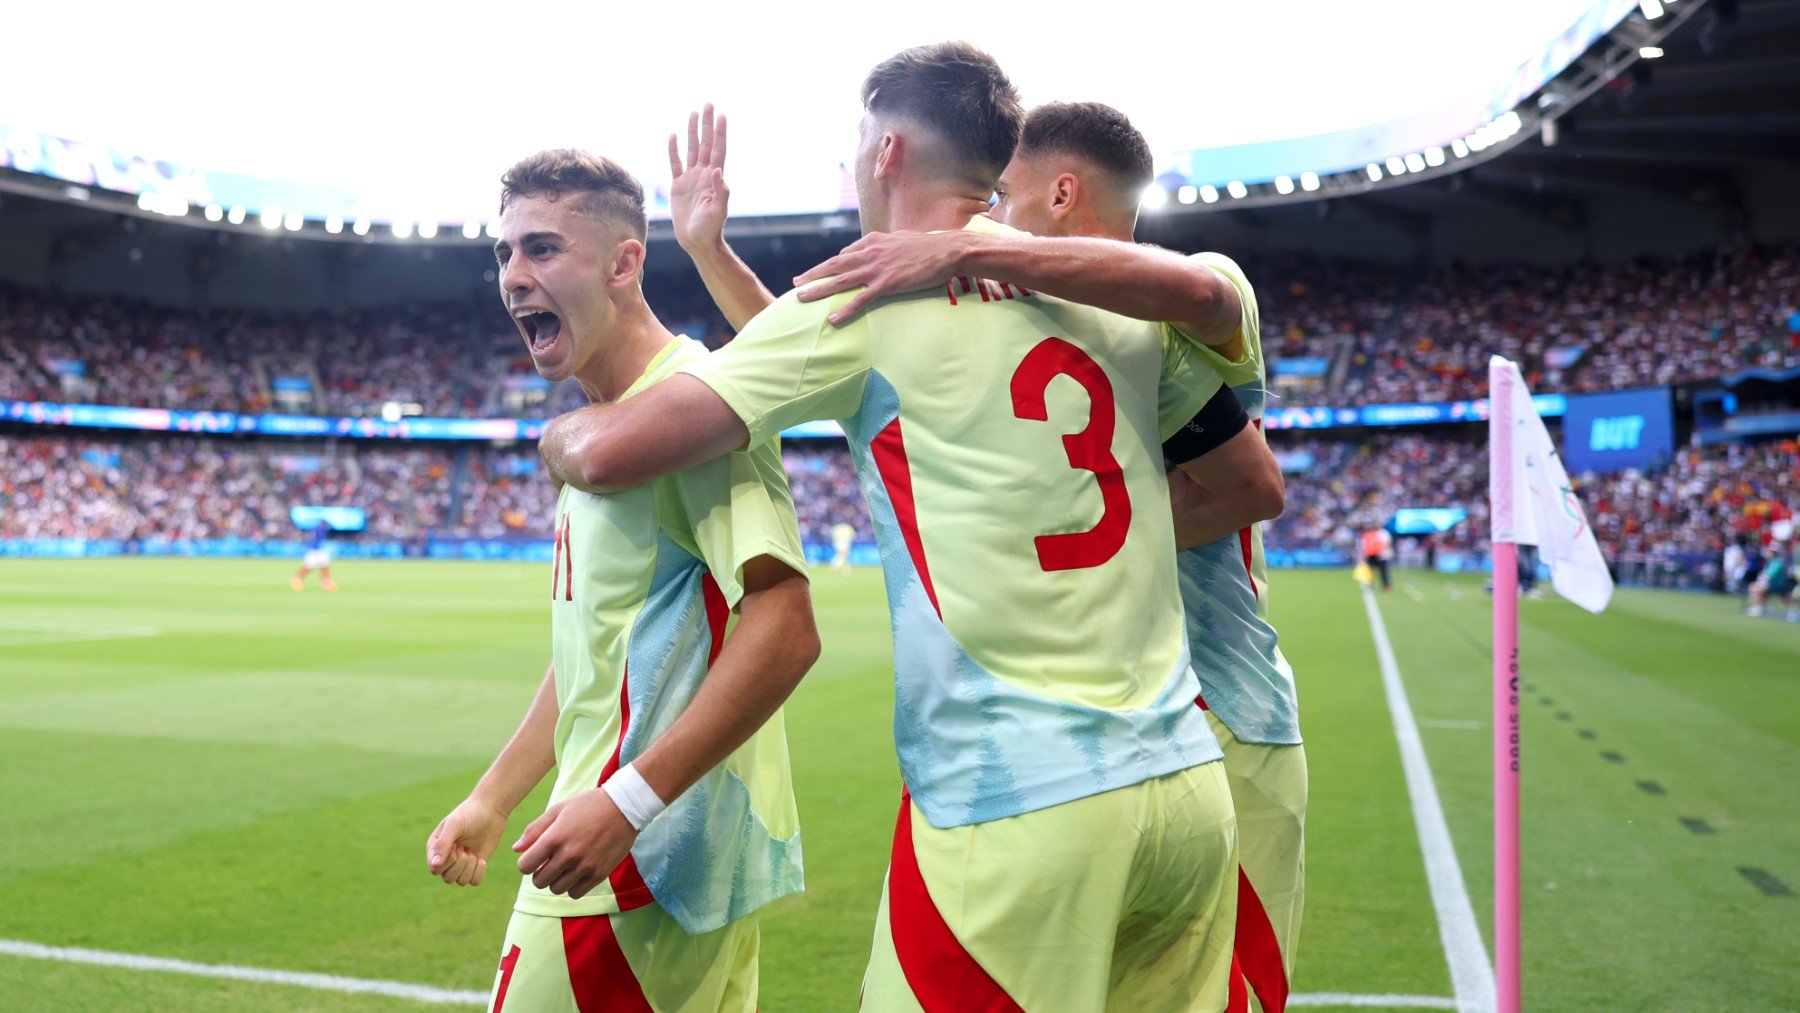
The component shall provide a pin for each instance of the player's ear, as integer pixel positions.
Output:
(628, 262)
(888, 155)
(1065, 191)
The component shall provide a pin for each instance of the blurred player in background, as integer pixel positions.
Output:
(1066, 840)
(1377, 550)
(1777, 580)
(648, 706)
(1074, 182)
(843, 536)
(318, 557)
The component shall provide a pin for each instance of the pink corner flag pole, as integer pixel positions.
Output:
(1502, 485)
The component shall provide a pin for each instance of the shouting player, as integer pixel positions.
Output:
(1074, 182)
(672, 819)
(1066, 839)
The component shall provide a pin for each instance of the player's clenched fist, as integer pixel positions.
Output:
(457, 851)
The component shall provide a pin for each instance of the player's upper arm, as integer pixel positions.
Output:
(1229, 342)
(1187, 382)
(739, 508)
(790, 366)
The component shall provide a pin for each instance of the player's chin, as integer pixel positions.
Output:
(552, 360)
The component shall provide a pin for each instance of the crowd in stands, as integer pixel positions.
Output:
(1387, 337)
(199, 488)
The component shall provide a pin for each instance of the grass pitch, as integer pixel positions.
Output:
(197, 763)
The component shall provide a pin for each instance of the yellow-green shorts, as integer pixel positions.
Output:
(1120, 901)
(636, 961)
(1268, 790)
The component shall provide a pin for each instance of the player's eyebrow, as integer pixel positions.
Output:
(501, 245)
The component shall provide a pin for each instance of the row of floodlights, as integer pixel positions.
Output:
(293, 221)
(1491, 133)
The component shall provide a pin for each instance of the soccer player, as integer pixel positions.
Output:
(843, 536)
(1065, 840)
(318, 557)
(672, 819)
(1074, 182)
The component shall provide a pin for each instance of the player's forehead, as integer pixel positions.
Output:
(538, 213)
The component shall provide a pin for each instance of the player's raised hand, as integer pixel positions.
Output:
(883, 264)
(576, 844)
(698, 196)
(457, 851)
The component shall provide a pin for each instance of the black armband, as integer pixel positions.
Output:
(1221, 418)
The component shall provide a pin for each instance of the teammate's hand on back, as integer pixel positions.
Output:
(698, 196)
(576, 844)
(886, 263)
(457, 851)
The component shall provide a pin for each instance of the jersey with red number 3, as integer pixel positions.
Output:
(1009, 447)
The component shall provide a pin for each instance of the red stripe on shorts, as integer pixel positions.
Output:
(942, 975)
(599, 974)
(1257, 952)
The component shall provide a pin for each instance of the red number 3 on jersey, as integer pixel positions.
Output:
(1088, 450)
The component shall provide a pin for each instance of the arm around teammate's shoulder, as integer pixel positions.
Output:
(676, 424)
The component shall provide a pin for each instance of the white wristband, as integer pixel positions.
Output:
(634, 797)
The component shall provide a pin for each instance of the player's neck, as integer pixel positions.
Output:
(634, 341)
(922, 209)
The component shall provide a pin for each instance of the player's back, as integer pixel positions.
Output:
(1008, 444)
(1014, 435)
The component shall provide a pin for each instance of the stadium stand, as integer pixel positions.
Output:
(1365, 336)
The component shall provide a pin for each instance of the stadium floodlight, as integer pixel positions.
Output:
(1237, 189)
(1460, 148)
(427, 229)
(1188, 194)
(1284, 184)
(1652, 9)
(1153, 197)
(271, 218)
(1434, 157)
(235, 216)
(1650, 52)
(361, 227)
(214, 212)
(1309, 181)
(1415, 162)
(1374, 172)
(293, 221)
(401, 228)
(493, 230)
(471, 229)
(1209, 193)
(1510, 124)
(1395, 166)
(334, 224)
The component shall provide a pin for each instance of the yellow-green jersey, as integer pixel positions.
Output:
(1225, 586)
(1008, 447)
(641, 586)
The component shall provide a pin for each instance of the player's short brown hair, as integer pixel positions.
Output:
(1090, 130)
(959, 93)
(603, 186)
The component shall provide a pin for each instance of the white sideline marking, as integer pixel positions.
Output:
(1471, 972)
(28, 636)
(1377, 1001)
(1453, 724)
(447, 996)
(327, 982)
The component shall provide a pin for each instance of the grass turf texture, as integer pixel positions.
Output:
(252, 784)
